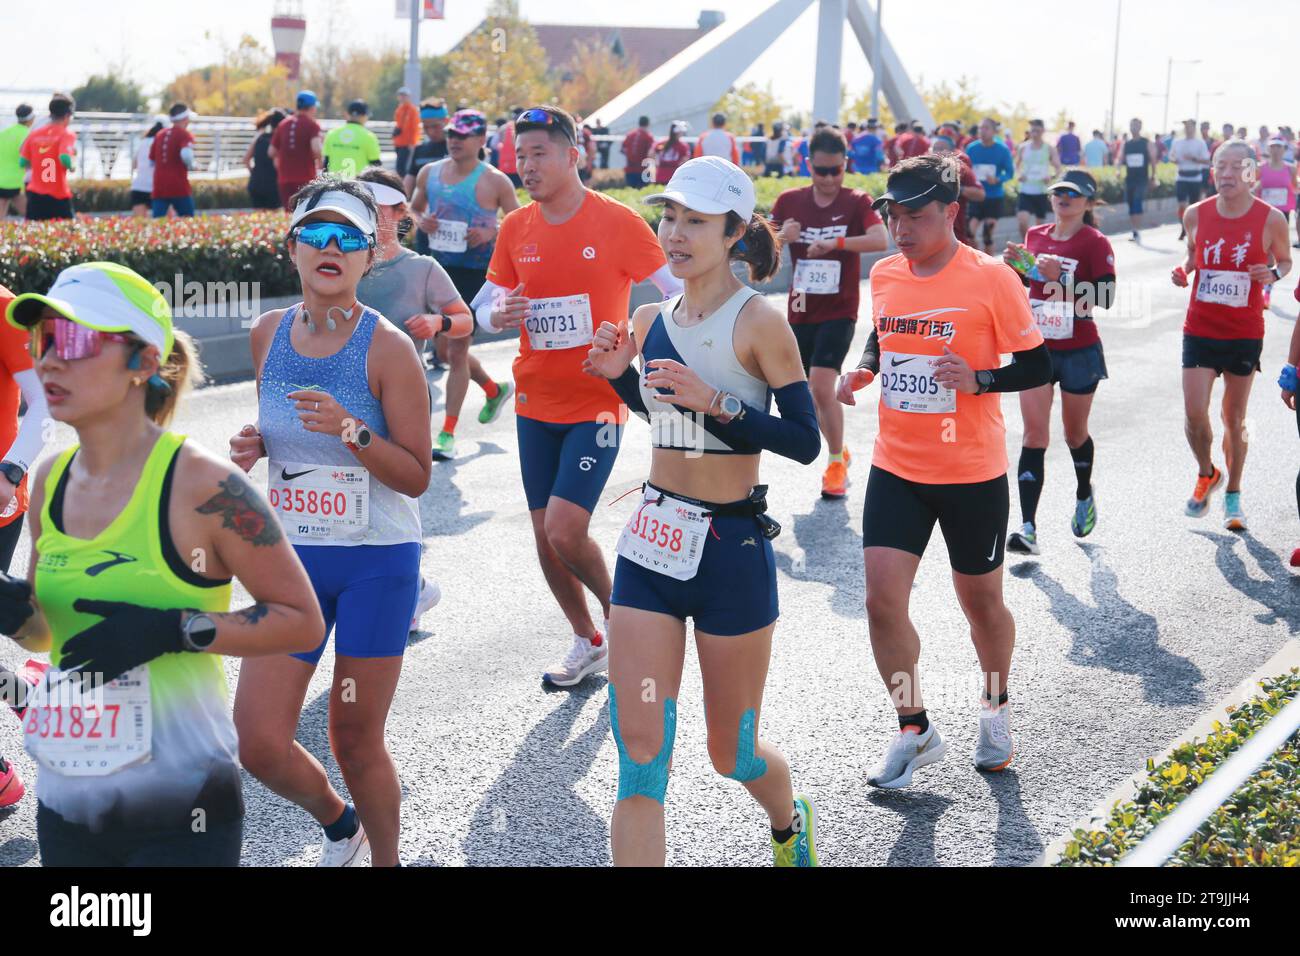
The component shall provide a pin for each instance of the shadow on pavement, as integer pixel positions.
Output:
(441, 506)
(1016, 842)
(921, 813)
(1280, 594)
(18, 850)
(1113, 634)
(825, 546)
(532, 814)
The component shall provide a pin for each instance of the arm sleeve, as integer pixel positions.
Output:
(1100, 291)
(483, 301)
(794, 434)
(666, 282)
(1027, 369)
(30, 438)
(628, 387)
(871, 354)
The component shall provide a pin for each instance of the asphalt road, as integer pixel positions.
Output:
(1123, 640)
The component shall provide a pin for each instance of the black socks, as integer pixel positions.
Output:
(919, 721)
(1083, 468)
(1030, 472)
(1002, 699)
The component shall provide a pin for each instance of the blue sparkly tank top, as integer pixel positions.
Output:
(394, 518)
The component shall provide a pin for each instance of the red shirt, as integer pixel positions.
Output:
(1087, 256)
(1225, 302)
(170, 177)
(668, 158)
(849, 215)
(292, 141)
(636, 147)
(42, 149)
(507, 160)
(911, 144)
(15, 357)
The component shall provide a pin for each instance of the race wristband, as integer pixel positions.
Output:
(839, 242)
(1288, 379)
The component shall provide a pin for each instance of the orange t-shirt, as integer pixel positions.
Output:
(15, 356)
(42, 149)
(600, 252)
(406, 125)
(976, 306)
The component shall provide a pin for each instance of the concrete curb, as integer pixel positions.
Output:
(1281, 662)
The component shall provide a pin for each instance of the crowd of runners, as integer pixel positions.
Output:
(129, 722)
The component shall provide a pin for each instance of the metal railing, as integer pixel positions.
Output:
(1172, 832)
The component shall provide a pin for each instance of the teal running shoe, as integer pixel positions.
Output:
(1024, 541)
(799, 850)
(1085, 516)
(492, 407)
(1234, 519)
(444, 447)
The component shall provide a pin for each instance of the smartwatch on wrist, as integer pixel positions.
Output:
(1276, 273)
(732, 408)
(364, 438)
(13, 473)
(983, 381)
(198, 632)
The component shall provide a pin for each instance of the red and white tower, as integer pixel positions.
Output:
(288, 27)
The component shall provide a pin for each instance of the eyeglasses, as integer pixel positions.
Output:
(347, 238)
(828, 170)
(71, 340)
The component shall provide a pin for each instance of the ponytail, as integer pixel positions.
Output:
(758, 246)
(1088, 218)
(179, 373)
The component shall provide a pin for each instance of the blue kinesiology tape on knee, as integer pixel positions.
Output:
(749, 766)
(644, 779)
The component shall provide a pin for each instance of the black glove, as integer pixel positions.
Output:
(15, 603)
(128, 636)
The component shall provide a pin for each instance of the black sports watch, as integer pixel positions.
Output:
(13, 473)
(1276, 273)
(198, 632)
(983, 381)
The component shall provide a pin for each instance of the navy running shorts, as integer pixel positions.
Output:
(1079, 370)
(572, 462)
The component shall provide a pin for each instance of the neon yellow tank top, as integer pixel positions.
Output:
(194, 754)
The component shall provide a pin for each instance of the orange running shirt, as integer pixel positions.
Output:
(41, 149)
(15, 357)
(599, 252)
(976, 306)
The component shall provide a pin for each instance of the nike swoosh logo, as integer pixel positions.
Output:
(118, 558)
(994, 552)
(836, 218)
(896, 362)
(286, 476)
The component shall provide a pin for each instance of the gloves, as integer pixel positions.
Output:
(128, 636)
(1288, 379)
(15, 603)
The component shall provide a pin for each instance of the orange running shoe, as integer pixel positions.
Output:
(1199, 502)
(848, 459)
(1295, 558)
(835, 480)
(11, 785)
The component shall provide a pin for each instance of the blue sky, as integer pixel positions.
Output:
(1049, 53)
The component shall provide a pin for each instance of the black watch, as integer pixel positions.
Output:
(1276, 273)
(198, 632)
(983, 381)
(13, 473)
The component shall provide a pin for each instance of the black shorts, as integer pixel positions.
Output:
(1079, 370)
(1135, 191)
(10, 193)
(41, 207)
(1038, 205)
(824, 344)
(141, 198)
(991, 207)
(1231, 356)
(1188, 192)
(973, 517)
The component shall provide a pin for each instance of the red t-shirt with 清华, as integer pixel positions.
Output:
(42, 149)
(1226, 303)
(171, 178)
(295, 161)
(850, 214)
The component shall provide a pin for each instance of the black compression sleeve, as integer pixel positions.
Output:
(628, 387)
(793, 434)
(1028, 369)
(1100, 293)
(871, 355)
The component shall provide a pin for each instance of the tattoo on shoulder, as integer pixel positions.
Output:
(243, 511)
(251, 615)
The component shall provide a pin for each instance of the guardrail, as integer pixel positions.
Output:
(1172, 832)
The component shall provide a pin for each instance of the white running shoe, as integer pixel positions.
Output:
(430, 594)
(907, 752)
(993, 752)
(350, 852)
(584, 657)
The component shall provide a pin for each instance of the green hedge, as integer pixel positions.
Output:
(114, 195)
(1259, 825)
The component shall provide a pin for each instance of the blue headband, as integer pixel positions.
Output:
(433, 112)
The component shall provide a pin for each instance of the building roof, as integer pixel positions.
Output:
(648, 47)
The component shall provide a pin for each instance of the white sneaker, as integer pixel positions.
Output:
(993, 751)
(430, 594)
(350, 852)
(907, 752)
(584, 658)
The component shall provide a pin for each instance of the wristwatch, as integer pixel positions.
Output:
(1276, 273)
(364, 438)
(732, 407)
(983, 381)
(198, 632)
(13, 473)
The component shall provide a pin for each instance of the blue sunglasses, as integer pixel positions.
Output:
(348, 238)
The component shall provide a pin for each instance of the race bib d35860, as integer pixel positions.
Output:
(320, 502)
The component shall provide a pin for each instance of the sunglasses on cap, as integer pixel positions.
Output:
(828, 170)
(71, 341)
(318, 235)
(541, 117)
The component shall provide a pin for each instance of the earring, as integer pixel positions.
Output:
(135, 382)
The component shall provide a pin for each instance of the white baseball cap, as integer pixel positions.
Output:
(711, 185)
(336, 200)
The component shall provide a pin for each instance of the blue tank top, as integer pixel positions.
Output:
(459, 202)
(394, 518)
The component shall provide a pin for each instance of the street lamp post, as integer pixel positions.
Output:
(1114, 71)
(1169, 75)
(876, 67)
